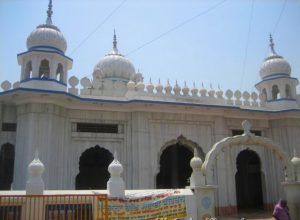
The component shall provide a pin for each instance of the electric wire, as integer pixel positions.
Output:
(247, 45)
(279, 17)
(98, 26)
(176, 27)
(275, 29)
(173, 28)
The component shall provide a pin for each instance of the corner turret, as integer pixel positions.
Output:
(44, 65)
(277, 88)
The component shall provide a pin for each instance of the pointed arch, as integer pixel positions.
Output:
(44, 70)
(28, 70)
(93, 165)
(288, 91)
(60, 73)
(174, 163)
(275, 92)
(191, 145)
(264, 92)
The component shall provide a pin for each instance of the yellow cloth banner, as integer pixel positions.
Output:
(161, 206)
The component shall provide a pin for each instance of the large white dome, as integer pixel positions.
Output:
(47, 35)
(274, 64)
(114, 66)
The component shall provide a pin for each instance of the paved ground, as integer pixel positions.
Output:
(249, 216)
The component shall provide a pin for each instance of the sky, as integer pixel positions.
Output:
(214, 42)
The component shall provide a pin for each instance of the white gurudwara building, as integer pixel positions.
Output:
(77, 125)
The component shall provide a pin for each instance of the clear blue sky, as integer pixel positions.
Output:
(209, 49)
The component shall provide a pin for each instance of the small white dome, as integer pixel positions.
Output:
(140, 86)
(196, 162)
(296, 161)
(47, 35)
(131, 85)
(274, 64)
(115, 168)
(114, 66)
(36, 167)
(150, 86)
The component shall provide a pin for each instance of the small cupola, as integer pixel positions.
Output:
(115, 67)
(44, 64)
(277, 88)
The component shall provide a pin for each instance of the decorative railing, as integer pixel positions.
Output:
(149, 91)
(54, 207)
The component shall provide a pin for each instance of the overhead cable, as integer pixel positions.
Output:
(98, 26)
(176, 27)
(247, 45)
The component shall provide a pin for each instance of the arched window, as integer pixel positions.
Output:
(28, 70)
(44, 70)
(60, 73)
(275, 92)
(264, 92)
(288, 92)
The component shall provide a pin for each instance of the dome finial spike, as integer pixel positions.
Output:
(272, 44)
(195, 152)
(115, 155)
(49, 13)
(36, 154)
(115, 42)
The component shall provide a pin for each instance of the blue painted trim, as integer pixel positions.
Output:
(281, 77)
(45, 46)
(46, 51)
(282, 99)
(276, 74)
(43, 79)
(145, 101)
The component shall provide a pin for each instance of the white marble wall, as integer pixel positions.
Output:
(143, 137)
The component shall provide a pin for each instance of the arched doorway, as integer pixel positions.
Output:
(175, 167)
(7, 158)
(248, 180)
(93, 164)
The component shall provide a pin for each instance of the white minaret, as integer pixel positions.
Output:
(277, 88)
(44, 65)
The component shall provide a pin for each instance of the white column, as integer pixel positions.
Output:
(52, 69)
(281, 88)
(35, 67)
